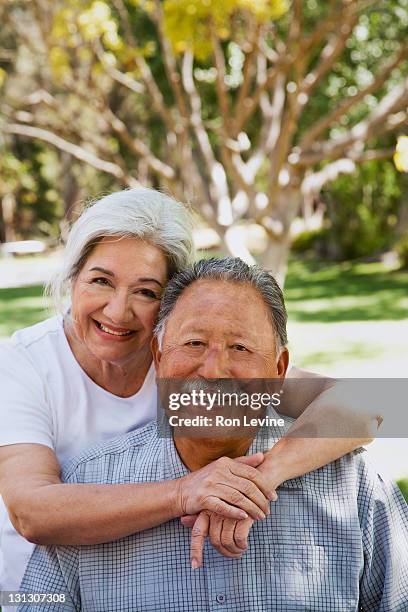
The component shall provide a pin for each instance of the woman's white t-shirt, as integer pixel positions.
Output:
(47, 398)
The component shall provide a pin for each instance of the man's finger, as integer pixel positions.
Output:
(188, 520)
(214, 531)
(241, 532)
(198, 535)
(227, 536)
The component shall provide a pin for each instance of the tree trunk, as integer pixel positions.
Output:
(276, 255)
(2, 224)
(275, 259)
(8, 206)
(70, 187)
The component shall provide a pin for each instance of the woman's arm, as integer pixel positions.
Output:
(332, 419)
(46, 511)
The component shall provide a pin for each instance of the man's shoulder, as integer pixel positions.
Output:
(355, 470)
(376, 486)
(111, 460)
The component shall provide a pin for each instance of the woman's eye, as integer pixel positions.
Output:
(148, 293)
(101, 281)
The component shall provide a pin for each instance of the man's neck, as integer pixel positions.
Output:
(196, 453)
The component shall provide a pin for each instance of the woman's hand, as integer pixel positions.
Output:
(232, 488)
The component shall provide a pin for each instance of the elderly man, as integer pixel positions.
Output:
(335, 540)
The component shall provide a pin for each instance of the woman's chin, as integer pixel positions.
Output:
(116, 352)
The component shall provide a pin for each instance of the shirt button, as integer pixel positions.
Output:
(221, 598)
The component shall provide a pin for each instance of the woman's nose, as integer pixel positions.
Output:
(118, 308)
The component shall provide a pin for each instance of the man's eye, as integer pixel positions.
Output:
(194, 343)
(239, 347)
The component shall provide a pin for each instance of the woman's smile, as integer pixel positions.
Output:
(113, 333)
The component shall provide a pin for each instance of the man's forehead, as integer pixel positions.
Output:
(217, 302)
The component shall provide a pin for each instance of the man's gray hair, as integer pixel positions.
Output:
(145, 214)
(229, 269)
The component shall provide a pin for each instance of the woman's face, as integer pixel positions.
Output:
(116, 297)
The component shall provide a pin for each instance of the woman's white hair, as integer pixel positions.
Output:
(140, 213)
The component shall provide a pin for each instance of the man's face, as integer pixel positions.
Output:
(220, 329)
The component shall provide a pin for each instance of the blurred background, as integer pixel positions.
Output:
(283, 125)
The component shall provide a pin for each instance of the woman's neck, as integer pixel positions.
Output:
(124, 379)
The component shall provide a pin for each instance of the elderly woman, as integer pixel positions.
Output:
(86, 375)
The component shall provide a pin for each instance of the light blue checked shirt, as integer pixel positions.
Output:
(335, 541)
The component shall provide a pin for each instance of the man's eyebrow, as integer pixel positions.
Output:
(139, 280)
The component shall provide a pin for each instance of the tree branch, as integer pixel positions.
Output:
(295, 26)
(332, 50)
(323, 124)
(375, 123)
(313, 183)
(252, 103)
(243, 98)
(222, 94)
(325, 26)
(218, 180)
(149, 81)
(170, 63)
(138, 147)
(76, 151)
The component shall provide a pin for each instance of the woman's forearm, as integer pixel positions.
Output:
(73, 514)
(46, 511)
(333, 425)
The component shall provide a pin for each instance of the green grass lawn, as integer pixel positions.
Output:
(21, 306)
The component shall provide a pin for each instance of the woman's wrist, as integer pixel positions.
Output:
(282, 462)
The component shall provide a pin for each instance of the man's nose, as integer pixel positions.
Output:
(118, 308)
(214, 364)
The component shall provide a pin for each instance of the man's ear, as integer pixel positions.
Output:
(283, 363)
(156, 352)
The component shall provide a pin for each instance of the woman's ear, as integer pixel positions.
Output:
(283, 362)
(156, 352)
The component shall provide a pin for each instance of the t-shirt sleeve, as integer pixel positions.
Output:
(25, 415)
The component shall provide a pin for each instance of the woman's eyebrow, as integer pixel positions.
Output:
(109, 273)
(103, 270)
(150, 280)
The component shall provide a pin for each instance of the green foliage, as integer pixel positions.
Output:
(403, 485)
(30, 172)
(376, 37)
(306, 240)
(362, 210)
(188, 23)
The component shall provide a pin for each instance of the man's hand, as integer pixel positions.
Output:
(232, 488)
(228, 536)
